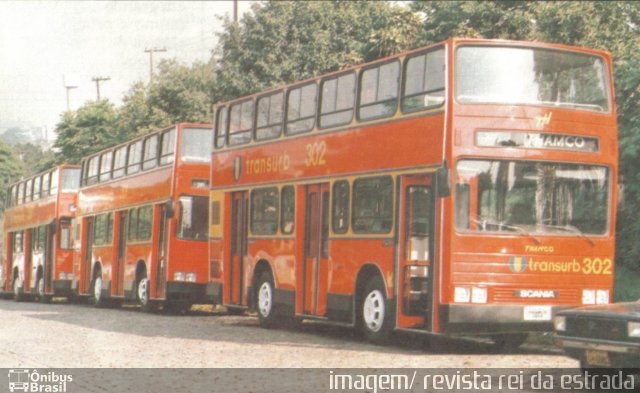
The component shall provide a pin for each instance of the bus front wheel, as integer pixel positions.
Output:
(264, 300)
(96, 294)
(375, 317)
(142, 292)
(17, 295)
(42, 296)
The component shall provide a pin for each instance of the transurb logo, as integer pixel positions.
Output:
(518, 264)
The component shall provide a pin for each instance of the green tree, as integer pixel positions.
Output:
(282, 42)
(10, 170)
(88, 130)
(33, 158)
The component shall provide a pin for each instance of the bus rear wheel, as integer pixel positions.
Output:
(264, 300)
(96, 294)
(375, 317)
(142, 293)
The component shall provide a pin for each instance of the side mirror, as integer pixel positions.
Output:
(443, 186)
(169, 211)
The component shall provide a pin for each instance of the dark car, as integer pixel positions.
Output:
(606, 336)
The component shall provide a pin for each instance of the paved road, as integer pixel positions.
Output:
(65, 335)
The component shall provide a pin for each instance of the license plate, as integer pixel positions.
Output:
(597, 358)
(537, 313)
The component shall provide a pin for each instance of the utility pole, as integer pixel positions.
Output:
(99, 79)
(235, 11)
(150, 52)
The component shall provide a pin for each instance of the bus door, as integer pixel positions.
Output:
(118, 276)
(161, 256)
(87, 258)
(415, 273)
(239, 237)
(316, 249)
(49, 260)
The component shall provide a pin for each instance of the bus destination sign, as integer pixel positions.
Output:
(537, 140)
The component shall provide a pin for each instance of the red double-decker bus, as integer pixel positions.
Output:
(143, 208)
(467, 187)
(38, 235)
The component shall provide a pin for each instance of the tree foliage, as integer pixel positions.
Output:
(11, 170)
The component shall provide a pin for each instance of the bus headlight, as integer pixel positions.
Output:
(178, 276)
(602, 296)
(633, 329)
(588, 296)
(62, 276)
(478, 295)
(560, 323)
(461, 295)
(191, 277)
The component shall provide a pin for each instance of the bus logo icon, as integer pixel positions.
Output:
(19, 380)
(518, 264)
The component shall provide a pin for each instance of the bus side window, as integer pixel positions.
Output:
(221, 127)
(105, 166)
(301, 108)
(150, 152)
(134, 157)
(270, 115)
(264, 211)
(418, 222)
(338, 95)
(119, 162)
(424, 81)
(240, 123)
(168, 147)
(340, 219)
(379, 91)
(287, 209)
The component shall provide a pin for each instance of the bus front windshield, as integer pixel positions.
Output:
(196, 144)
(507, 75)
(532, 197)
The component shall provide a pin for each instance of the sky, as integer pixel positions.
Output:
(45, 45)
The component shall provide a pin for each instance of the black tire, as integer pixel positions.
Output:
(509, 341)
(42, 296)
(264, 300)
(375, 317)
(18, 295)
(143, 294)
(96, 292)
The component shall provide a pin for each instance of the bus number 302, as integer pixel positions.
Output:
(315, 154)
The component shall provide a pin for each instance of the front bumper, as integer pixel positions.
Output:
(492, 318)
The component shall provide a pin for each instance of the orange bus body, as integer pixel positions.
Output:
(452, 216)
(38, 226)
(137, 244)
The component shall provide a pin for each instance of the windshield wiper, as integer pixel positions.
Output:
(571, 229)
(484, 221)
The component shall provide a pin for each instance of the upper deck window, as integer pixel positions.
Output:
(221, 126)
(46, 184)
(269, 119)
(338, 97)
(240, 123)
(196, 145)
(134, 157)
(168, 147)
(119, 161)
(54, 182)
(506, 75)
(28, 190)
(36, 188)
(150, 156)
(379, 91)
(20, 194)
(424, 81)
(105, 166)
(11, 196)
(70, 179)
(92, 170)
(301, 108)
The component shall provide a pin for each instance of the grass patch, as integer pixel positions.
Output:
(626, 285)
